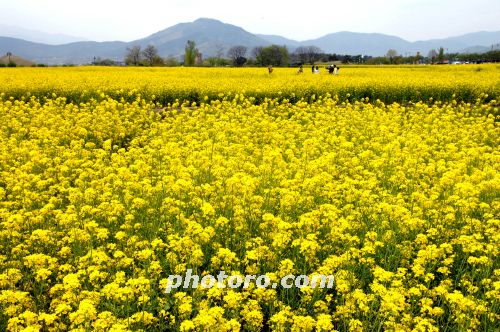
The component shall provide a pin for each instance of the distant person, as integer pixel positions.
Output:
(335, 69)
(301, 70)
(330, 69)
(312, 69)
(316, 70)
(270, 69)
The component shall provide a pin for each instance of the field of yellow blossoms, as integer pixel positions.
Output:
(388, 84)
(112, 179)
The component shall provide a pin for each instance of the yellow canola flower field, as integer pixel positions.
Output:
(164, 85)
(102, 199)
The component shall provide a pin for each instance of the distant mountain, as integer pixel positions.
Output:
(377, 44)
(476, 49)
(484, 38)
(209, 35)
(459, 43)
(346, 42)
(278, 40)
(481, 49)
(37, 36)
(75, 53)
(213, 37)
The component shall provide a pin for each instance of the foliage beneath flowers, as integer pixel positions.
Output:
(101, 200)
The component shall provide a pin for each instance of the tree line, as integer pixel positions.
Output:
(434, 56)
(237, 56)
(280, 56)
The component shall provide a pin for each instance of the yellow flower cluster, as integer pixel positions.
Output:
(101, 200)
(164, 85)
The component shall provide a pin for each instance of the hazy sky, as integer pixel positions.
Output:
(128, 20)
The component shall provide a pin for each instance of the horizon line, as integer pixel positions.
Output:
(86, 39)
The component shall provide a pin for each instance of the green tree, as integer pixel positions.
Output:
(271, 55)
(104, 62)
(257, 55)
(440, 57)
(493, 56)
(215, 61)
(171, 61)
(347, 59)
(190, 53)
(418, 58)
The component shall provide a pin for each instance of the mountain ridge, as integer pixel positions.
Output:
(36, 36)
(205, 32)
(215, 37)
